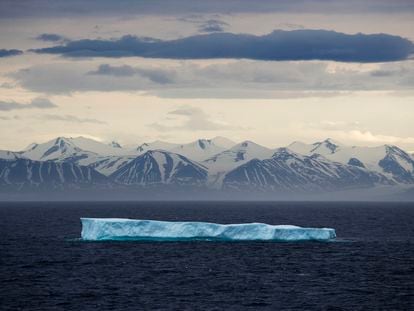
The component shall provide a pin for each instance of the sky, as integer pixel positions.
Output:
(269, 71)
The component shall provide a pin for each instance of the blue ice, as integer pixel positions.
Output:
(103, 229)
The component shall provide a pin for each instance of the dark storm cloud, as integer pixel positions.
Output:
(213, 25)
(39, 103)
(279, 45)
(6, 53)
(156, 75)
(51, 37)
(57, 8)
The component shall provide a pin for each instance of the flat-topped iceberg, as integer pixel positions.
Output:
(103, 229)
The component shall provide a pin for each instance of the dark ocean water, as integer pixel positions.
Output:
(44, 267)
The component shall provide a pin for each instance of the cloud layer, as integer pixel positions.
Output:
(51, 37)
(195, 119)
(13, 52)
(52, 8)
(236, 79)
(39, 103)
(279, 45)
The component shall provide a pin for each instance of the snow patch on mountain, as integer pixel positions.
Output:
(47, 174)
(198, 150)
(235, 156)
(160, 167)
(386, 159)
(287, 170)
(9, 155)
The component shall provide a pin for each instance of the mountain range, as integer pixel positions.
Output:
(218, 165)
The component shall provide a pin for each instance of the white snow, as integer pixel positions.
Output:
(223, 142)
(155, 145)
(369, 156)
(198, 150)
(235, 156)
(9, 155)
(98, 229)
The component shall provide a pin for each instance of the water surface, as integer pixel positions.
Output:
(44, 266)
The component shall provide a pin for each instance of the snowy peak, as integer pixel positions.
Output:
(223, 142)
(56, 149)
(290, 171)
(237, 155)
(114, 144)
(398, 163)
(155, 145)
(328, 146)
(300, 147)
(283, 152)
(385, 159)
(198, 150)
(9, 155)
(64, 148)
(161, 167)
(325, 147)
(248, 150)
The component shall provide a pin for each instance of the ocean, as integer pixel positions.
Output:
(44, 265)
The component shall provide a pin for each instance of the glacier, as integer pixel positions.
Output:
(107, 229)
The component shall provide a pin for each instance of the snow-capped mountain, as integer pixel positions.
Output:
(82, 151)
(287, 170)
(68, 149)
(223, 142)
(328, 146)
(386, 159)
(155, 145)
(198, 150)
(235, 156)
(106, 165)
(25, 173)
(115, 144)
(327, 165)
(161, 167)
(9, 155)
(56, 150)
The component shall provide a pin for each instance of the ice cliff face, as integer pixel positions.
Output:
(98, 229)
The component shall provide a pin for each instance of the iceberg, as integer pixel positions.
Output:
(107, 229)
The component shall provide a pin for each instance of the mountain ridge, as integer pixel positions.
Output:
(326, 165)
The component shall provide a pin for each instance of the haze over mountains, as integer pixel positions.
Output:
(216, 165)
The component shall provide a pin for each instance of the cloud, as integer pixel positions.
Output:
(9, 118)
(290, 26)
(39, 103)
(369, 137)
(213, 25)
(329, 125)
(51, 37)
(233, 79)
(7, 85)
(70, 118)
(195, 119)
(58, 8)
(13, 52)
(280, 45)
(352, 131)
(156, 75)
